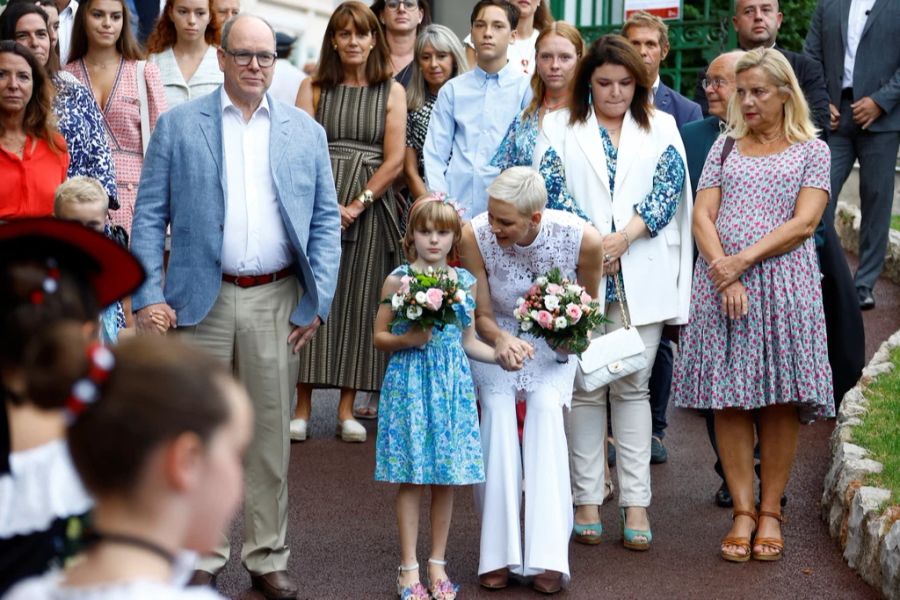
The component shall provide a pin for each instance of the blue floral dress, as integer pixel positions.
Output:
(427, 420)
(81, 124)
(517, 150)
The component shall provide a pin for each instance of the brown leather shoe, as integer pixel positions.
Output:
(202, 578)
(548, 582)
(277, 585)
(494, 580)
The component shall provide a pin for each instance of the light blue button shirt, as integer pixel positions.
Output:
(470, 118)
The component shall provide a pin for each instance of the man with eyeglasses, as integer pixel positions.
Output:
(245, 183)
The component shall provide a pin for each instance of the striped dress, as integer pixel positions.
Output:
(342, 353)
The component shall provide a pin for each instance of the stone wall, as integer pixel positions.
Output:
(858, 516)
(846, 223)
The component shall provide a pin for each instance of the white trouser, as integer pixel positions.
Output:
(629, 400)
(548, 496)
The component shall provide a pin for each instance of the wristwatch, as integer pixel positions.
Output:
(367, 197)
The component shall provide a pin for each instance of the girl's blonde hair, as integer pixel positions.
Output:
(432, 210)
(797, 125)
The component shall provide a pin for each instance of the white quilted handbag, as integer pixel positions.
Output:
(613, 355)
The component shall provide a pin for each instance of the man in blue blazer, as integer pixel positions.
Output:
(650, 36)
(856, 42)
(244, 183)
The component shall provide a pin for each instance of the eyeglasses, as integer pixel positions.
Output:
(713, 83)
(395, 4)
(243, 58)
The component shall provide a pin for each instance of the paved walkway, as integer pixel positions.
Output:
(344, 542)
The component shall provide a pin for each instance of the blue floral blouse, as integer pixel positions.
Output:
(659, 206)
(517, 150)
(81, 124)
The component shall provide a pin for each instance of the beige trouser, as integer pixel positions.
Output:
(248, 328)
(629, 401)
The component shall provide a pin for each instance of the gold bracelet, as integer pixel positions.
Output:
(367, 197)
(627, 241)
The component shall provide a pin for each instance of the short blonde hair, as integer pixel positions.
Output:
(645, 19)
(79, 190)
(522, 187)
(797, 125)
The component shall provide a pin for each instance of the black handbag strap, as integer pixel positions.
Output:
(727, 147)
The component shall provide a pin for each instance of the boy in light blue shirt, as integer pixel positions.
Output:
(474, 110)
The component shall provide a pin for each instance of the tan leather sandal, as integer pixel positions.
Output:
(739, 542)
(773, 543)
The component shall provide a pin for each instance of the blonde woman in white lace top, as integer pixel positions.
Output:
(506, 249)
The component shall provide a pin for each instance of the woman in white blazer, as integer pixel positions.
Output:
(624, 164)
(183, 46)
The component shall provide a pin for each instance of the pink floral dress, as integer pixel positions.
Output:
(122, 120)
(777, 354)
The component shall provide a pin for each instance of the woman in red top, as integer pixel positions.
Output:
(33, 156)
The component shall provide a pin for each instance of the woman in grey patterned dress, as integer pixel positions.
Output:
(363, 112)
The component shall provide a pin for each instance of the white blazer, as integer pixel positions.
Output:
(657, 271)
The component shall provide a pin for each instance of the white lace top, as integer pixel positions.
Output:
(511, 271)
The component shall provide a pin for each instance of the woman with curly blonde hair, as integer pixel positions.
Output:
(183, 46)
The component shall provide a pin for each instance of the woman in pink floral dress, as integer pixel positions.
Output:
(755, 348)
(104, 56)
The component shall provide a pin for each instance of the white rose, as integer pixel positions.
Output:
(526, 326)
(520, 301)
(560, 323)
(541, 281)
(460, 296)
(421, 298)
(534, 315)
(414, 312)
(551, 302)
(574, 289)
(397, 301)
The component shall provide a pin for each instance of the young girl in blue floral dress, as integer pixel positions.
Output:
(428, 422)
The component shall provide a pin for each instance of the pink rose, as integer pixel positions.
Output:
(555, 289)
(573, 311)
(434, 298)
(404, 285)
(585, 298)
(545, 319)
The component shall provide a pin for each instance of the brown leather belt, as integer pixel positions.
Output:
(248, 281)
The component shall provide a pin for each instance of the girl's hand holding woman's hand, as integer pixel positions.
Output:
(735, 303)
(511, 352)
(726, 270)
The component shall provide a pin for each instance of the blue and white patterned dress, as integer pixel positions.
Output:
(427, 420)
(81, 124)
(517, 150)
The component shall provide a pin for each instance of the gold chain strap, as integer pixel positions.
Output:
(620, 296)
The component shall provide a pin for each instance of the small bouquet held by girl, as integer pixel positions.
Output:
(559, 311)
(428, 433)
(427, 298)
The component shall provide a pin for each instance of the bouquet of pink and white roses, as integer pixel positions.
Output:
(559, 311)
(427, 298)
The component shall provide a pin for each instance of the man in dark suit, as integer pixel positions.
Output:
(856, 43)
(650, 36)
(756, 23)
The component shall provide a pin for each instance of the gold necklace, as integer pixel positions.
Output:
(552, 107)
(17, 147)
(760, 140)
